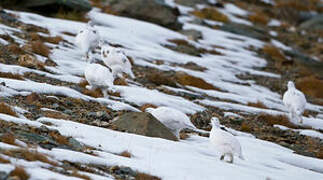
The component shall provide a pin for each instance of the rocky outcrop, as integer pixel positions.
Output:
(143, 123)
(47, 5)
(155, 11)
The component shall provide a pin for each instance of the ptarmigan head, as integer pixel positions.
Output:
(215, 122)
(290, 85)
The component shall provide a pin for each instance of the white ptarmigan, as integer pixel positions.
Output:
(112, 56)
(99, 76)
(87, 39)
(295, 102)
(173, 119)
(224, 142)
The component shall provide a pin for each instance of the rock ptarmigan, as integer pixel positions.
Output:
(87, 39)
(112, 56)
(99, 76)
(224, 142)
(295, 102)
(173, 119)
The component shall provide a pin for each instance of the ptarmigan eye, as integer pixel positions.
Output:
(94, 32)
(81, 31)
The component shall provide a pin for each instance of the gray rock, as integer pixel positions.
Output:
(155, 11)
(47, 5)
(315, 23)
(3, 175)
(143, 123)
(250, 31)
(191, 3)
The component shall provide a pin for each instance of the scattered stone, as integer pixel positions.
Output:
(155, 11)
(249, 31)
(143, 123)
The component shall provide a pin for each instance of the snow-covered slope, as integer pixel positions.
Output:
(191, 158)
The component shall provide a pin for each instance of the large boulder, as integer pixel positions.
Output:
(155, 11)
(143, 123)
(48, 6)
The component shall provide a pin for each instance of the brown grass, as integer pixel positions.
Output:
(188, 80)
(55, 115)
(83, 83)
(120, 81)
(276, 119)
(8, 138)
(246, 127)
(53, 40)
(28, 155)
(258, 104)
(183, 135)
(11, 76)
(20, 173)
(40, 48)
(4, 161)
(259, 18)
(31, 98)
(30, 62)
(125, 154)
(96, 93)
(303, 5)
(145, 106)
(15, 49)
(311, 86)
(319, 154)
(144, 176)
(274, 53)
(59, 138)
(82, 176)
(212, 14)
(6, 109)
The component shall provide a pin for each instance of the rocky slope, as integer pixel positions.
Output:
(206, 58)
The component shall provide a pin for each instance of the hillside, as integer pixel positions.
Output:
(226, 59)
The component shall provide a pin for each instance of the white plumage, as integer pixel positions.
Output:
(112, 56)
(224, 142)
(295, 102)
(99, 76)
(87, 39)
(173, 119)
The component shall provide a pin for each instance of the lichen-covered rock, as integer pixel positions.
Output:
(143, 123)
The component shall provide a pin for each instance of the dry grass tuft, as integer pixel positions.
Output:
(212, 14)
(276, 119)
(311, 86)
(40, 48)
(246, 127)
(6, 109)
(145, 106)
(30, 62)
(15, 49)
(8, 138)
(11, 76)
(183, 135)
(83, 83)
(53, 40)
(19, 173)
(120, 82)
(96, 93)
(125, 154)
(59, 138)
(319, 154)
(144, 176)
(29, 155)
(274, 53)
(188, 80)
(258, 104)
(82, 176)
(259, 18)
(55, 115)
(4, 161)
(33, 97)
